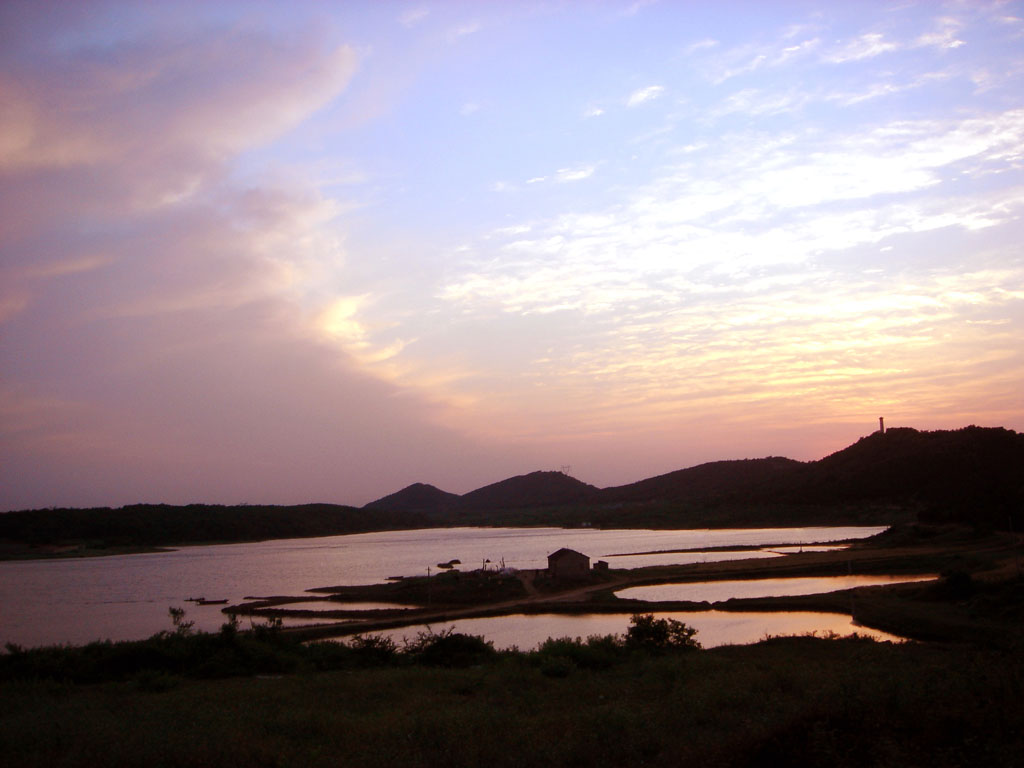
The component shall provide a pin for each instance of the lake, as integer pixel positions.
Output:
(126, 597)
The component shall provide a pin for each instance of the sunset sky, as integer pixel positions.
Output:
(279, 252)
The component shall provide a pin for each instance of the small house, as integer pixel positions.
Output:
(601, 565)
(568, 564)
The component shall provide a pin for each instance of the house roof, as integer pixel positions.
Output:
(563, 552)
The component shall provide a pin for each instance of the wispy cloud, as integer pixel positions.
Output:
(574, 174)
(643, 95)
(464, 30)
(751, 101)
(867, 46)
(682, 284)
(413, 16)
(944, 35)
(634, 8)
(700, 45)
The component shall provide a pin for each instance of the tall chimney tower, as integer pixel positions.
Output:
(881, 424)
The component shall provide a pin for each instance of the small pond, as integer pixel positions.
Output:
(714, 628)
(716, 591)
(335, 605)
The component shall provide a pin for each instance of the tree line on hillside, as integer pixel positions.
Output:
(142, 525)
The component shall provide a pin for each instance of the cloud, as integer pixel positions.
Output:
(464, 30)
(167, 97)
(634, 8)
(726, 284)
(867, 46)
(700, 45)
(944, 36)
(413, 16)
(643, 95)
(574, 174)
(751, 101)
(747, 58)
(171, 333)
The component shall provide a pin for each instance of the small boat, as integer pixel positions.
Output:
(204, 601)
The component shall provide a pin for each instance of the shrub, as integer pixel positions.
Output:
(597, 652)
(373, 649)
(659, 635)
(449, 648)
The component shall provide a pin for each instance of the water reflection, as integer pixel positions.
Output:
(686, 558)
(715, 591)
(334, 605)
(714, 628)
(127, 596)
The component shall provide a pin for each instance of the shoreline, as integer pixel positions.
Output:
(906, 609)
(19, 550)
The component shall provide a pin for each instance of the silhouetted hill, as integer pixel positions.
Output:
(974, 474)
(716, 480)
(418, 497)
(533, 490)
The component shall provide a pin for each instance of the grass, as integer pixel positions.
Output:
(803, 701)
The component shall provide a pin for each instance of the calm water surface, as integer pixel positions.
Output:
(714, 628)
(127, 596)
(715, 591)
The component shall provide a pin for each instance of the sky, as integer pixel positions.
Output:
(263, 252)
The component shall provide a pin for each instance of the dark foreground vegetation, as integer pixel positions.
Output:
(650, 698)
(970, 476)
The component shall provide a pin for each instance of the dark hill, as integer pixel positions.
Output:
(418, 497)
(717, 480)
(537, 489)
(974, 474)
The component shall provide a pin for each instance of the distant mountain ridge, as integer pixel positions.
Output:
(973, 474)
(541, 488)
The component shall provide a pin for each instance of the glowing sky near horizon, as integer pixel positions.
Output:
(267, 252)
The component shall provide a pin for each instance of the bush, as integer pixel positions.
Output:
(649, 633)
(373, 649)
(597, 652)
(449, 648)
